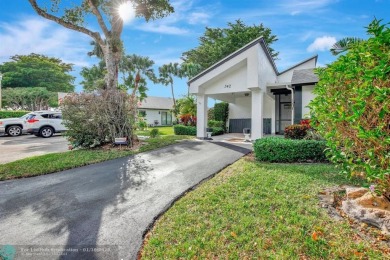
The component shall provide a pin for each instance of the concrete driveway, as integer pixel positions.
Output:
(101, 211)
(16, 148)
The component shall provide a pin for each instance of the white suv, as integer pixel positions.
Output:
(45, 123)
(13, 126)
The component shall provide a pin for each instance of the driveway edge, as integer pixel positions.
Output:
(177, 198)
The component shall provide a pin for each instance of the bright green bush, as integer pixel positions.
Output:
(184, 130)
(275, 149)
(221, 112)
(12, 114)
(154, 132)
(296, 131)
(214, 123)
(217, 131)
(352, 108)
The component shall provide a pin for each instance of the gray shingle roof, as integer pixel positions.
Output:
(304, 76)
(156, 103)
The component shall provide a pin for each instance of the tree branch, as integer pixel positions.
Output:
(100, 19)
(41, 12)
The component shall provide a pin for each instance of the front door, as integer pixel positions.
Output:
(166, 118)
(283, 112)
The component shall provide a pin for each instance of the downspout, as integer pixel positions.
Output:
(292, 103)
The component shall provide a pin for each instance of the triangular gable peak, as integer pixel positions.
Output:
(237, 72)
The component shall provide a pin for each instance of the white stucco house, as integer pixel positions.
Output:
(156, 110)
(259, 96)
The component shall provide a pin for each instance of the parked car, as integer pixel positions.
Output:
(45, 123)
(14, 126)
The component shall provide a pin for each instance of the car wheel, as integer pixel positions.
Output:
(14, 130)
(46, 132)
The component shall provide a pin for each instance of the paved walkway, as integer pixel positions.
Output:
(102, 210)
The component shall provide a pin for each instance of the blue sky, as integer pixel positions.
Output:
(304, 28)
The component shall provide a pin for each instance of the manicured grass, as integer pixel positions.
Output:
(256, 210)
(55, 162)
(163, 130)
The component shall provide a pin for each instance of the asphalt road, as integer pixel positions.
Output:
(15, 148)
(102, 210)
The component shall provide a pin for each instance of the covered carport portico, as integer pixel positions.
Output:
(240, 80)
(258, 95)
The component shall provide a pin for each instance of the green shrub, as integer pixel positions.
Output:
(218, 131)
(275, 149)
(313, 135)
(141, 123)
(210, 114)
(352, 108)
(184, 130)
(221, 112)
(296, 131)
(12, 114)
(214, 123)
(94, 119)
(154, 132)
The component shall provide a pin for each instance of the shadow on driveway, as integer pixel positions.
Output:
(106, 206)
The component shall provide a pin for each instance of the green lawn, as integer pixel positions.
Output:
(255, 210)
(44, 164)
(163, 130)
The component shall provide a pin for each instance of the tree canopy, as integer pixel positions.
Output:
(107, 13)
(217, 43)
(35, 70)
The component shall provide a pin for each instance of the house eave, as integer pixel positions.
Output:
(259, 40)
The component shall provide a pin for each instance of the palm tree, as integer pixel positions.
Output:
(167, 72)
(136, 69)
(189, 70)
(344, 45)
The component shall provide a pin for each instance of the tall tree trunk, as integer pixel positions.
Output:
(112, 55)
(174, 100)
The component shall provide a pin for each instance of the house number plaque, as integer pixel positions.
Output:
(228, 85)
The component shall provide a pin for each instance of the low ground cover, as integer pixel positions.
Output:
(255, 210)
(45, 164)
(162, 130)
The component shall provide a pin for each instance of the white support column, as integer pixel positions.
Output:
(257, 113)
(201, 122)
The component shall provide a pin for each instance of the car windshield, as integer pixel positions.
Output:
(25, 116)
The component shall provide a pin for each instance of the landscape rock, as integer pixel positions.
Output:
(365, 207)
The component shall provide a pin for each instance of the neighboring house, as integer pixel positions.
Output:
(259, 96)
(156, 110)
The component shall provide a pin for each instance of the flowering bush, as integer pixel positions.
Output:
(188, 120)
(296, 131)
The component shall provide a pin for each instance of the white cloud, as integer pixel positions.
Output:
(295, 7)
(322, 44)
(186, 14)
(31, 34)
(198, 17)
(162, 28)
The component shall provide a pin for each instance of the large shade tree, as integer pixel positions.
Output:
(35, 70)
(107, 13)
(217, 43)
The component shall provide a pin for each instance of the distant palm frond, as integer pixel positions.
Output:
(344, 45)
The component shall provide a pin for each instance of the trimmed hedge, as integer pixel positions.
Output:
(217, 131)
(184, 130)
(274, 149)
(191, 130)
(12, 114)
